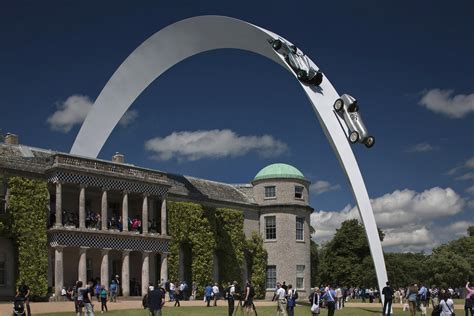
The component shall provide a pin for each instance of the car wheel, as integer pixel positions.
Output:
(276, 44)
(354, 137)
(293, 48)
(317, 79)
(301, 74)
(338, 105)
(370, 142)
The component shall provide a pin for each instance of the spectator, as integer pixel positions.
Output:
(230, 296)
(24, 291)
(314, 301)
(411, 296)
(155, 301)
(87, 299)
(329, 296)
(172, 289)
(387, 293)
(281, 300)
(113, 291)
(208, 294)
(215, 293)
(103, 299)
(292, 295)
(447, 304)
(468, 304)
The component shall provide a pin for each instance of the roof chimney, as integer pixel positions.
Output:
(118, 157)
(11, 139)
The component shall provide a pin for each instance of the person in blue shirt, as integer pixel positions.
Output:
(421, 299)
(330, 297)
(208, 294)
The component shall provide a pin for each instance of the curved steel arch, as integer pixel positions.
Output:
(192, 36)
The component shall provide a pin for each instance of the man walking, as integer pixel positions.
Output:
(281, 300)
(156, 300)
(230, 296)
(330, 295)
(387, 293)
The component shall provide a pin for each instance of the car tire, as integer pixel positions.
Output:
(294, 48)
(301, 74)
(276, 44)
(338, 105)
(370, 141)
(317, 79)
(353, 137)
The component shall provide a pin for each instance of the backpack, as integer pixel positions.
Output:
(295, 294)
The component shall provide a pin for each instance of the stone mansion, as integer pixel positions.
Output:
(90, 197)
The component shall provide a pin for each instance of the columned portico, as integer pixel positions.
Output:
(125, 211)
(82, 207)
(126, 273)
(82, 267)
(145, 271)
(164, 266)
(59, 204)
(58, 270)
(104, 209)
(104, 268)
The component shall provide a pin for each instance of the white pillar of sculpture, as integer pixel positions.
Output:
(145, 271)
(104, 209)
(126, 272)
(59, 204)
(104, 268)
(145, 214)
(164, 267)
(82, 207)
(58, 270)
(195, 35)
(125, 211)
(164, 229)
(82, 266)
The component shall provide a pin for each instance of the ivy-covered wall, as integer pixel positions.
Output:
(27, 208)
(208, 230)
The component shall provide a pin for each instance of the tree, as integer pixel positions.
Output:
(314, 263)
(448, 268)
(470, 231)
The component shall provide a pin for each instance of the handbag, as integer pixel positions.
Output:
(315, 307)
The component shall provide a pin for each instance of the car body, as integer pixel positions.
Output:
(346, 106)
(298, 61)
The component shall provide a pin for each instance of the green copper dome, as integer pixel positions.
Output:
(279, 170)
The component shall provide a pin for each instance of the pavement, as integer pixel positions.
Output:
(51, 307)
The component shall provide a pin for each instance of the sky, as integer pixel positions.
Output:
(224, 115)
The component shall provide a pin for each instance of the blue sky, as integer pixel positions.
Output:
(410, 65)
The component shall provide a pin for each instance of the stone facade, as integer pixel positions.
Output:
(114, 189)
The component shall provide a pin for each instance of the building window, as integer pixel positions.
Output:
(89, 269)
(270, 192)
(299, 192)
(3, 205)
(300, 276)
(270, 228)
(271, 277)
(300, 228)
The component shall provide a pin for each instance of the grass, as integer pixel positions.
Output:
(262, 311)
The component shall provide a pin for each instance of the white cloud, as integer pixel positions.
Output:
(421, 147)
(466, 176)
(467, 165)
(442, 101)
(74, 111)
(470, 190)
(212, 144)
(400, 214)
(128, 118)
(69, 113)
(319, 187)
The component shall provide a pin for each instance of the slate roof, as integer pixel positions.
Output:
(36, 160)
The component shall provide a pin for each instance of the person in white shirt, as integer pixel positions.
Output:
(172, 288)
(215, 293)
(447, 305)
(281, 300)
(338, 298)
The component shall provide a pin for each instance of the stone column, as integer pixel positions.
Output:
(82, 207)
(59, 204)
(58, 270)
(126, 273)
(164, 229)
(145, 272)
(164, 267)
(104, 209)
(145, 216)
(104, 268)
(82, 268)
(125, 211)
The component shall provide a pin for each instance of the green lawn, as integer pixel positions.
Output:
(262, 311)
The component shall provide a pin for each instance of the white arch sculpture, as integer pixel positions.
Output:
(192, 36)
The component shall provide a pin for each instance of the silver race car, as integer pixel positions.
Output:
(298, 61)
(347, 107)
